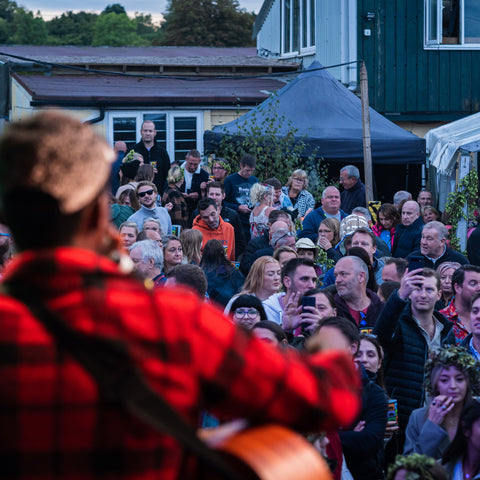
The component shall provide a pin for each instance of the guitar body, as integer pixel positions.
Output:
(269, 452)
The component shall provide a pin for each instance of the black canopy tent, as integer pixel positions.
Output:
(328, 120)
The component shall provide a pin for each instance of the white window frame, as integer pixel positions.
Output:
(309, 49)
(170, 122)
(436, 44)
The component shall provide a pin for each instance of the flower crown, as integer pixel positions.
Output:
(453, 356)
(129, 156)
(416, 465)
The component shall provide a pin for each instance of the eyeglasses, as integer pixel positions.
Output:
(146, 192)
(5, 235)
(250, 312)
(298, 179)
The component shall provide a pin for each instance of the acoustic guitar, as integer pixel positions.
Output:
(267, 452)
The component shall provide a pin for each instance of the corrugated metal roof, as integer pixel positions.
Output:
(125, 91)
(199, 56)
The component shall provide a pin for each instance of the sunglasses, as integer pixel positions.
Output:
(146, 192)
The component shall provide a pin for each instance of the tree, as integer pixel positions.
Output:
(277, 155)
(29, 29)
(214, 23)
(146, 29)
(72, 29)
(116, 30)
(115, 8)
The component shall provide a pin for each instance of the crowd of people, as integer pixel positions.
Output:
(388, 272)
(300, 274)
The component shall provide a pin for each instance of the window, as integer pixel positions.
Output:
(452, 23)
(177, 132)
(298, 26)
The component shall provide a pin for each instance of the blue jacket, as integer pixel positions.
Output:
(405, 353)
(312, 221)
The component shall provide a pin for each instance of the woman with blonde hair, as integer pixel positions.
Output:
(263, 280)
(296, 190)
(192, 245)
(173, 195)
(262, 197)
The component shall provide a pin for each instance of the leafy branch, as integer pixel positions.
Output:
(277, 155)
(465, 194)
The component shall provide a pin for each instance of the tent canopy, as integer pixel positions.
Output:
(444, 142)
(328, 118)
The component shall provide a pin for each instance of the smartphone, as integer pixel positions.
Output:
(307, 302)
(415, 263)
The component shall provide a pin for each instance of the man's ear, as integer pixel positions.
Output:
(94, 227)
(287, 282)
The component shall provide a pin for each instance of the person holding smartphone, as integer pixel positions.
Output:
(408, 328)
(316, 304)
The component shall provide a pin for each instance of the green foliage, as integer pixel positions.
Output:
(147, 30)
(72, 28)
(466, 194)
(115, 8)
(28, 29)
(112, 27)
(116, 30)
(212, 23)
(277, 156)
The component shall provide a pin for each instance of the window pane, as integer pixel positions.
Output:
(305, 23)
(125, 129)
(312, 23)
(286, 26)
(472, 21)
(296, 26)
(432, 10)
(160, 121)
(185, 136)
(450, 22)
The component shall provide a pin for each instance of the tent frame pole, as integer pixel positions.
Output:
(367, 147)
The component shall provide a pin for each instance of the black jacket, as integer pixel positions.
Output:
(373, 311)
(253, 245)
(405, 353)
(353, 197)
(363, 450)
(156, 154)
(197, 180)
(407, 239)
(449, 256)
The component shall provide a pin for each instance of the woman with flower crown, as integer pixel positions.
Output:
(452, 375)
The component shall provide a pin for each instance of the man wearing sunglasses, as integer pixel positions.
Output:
(147, 196)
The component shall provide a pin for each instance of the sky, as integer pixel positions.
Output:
(52, 8)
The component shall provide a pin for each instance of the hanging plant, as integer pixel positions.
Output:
(466, 193)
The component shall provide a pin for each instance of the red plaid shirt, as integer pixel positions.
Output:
(54, 424)
(451, 314)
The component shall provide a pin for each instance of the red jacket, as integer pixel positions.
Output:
(55, 425)
(225, 233)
